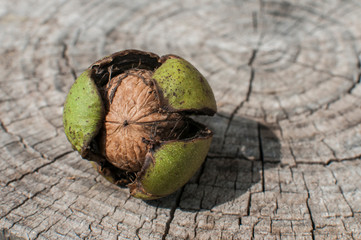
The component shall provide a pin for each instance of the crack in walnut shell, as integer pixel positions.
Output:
(134, 119)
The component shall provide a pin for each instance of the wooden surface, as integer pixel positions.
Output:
(285, 159)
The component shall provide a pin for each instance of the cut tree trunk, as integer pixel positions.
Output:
(285, 158)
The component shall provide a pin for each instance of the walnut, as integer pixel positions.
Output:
(129, 114)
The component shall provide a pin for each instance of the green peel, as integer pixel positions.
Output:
(183, 87)
(175, 164)
(83, 113)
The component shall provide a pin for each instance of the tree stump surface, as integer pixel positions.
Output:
(285, 159)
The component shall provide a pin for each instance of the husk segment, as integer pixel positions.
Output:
(83, 113)
(170, 164)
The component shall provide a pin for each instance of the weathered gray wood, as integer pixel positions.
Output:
(285, 159)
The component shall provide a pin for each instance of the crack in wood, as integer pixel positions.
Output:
(309, 208)
(249, 203)
(26, 146)
(357, 75)
(240, 105)
(251, 60)
(26, 200)
(38, 168)
(44, 140)
(261, 155)
(137, 231)
(22, 218)
(2, 125)
(359, 67)
(342, 193)
(65, 56)
(172, 212)
(46, 229)
(253, 228)
(254, 21)
(329, 147)
(328, 162)
(195, 225)
(250, 84)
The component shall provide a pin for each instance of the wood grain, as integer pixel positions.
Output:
(285, 159)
